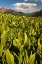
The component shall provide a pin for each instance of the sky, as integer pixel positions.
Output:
(26, 6)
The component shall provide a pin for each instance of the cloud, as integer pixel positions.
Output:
(25, 7)
(41, 0)
(25, 0)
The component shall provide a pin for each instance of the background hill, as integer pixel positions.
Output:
(38, 13)
(9, 11)
(3, 9)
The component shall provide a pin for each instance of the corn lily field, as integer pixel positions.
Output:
(20, 33)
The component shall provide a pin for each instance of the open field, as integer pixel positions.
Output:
(21, 32)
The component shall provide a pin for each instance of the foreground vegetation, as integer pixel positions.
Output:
(20, 31)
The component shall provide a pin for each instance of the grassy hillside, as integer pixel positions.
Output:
(23, 32)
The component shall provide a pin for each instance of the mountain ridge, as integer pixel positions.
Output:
(3, 9)
(38, 13)
(10, 11)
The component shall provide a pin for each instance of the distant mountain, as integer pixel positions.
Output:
(14, 12)
(3, 9)
(38, 13)
(30, 13)
(9, 11)
(21, 13)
